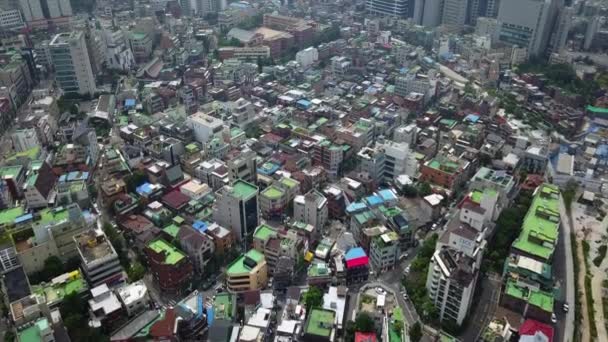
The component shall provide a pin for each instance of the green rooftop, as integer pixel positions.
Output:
(172, 254)
(320, 322)
(540, 228)
(32, 153)
(172, 230)
(288, 182)
(273, 192)
(540, 299)
(34, 333)
(53, 216)
(8, 172)
(241, 264)
(244, 190)
(73, 283)
(264, 232)
(223, 306)
(9, 215)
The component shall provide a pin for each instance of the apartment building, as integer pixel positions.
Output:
(99, 259)
(236, 207)
(311, 208)
(248, 272)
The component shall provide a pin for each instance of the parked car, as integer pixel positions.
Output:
(553, 318)
(566, 307)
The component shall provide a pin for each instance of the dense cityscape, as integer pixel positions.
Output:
(303, 170)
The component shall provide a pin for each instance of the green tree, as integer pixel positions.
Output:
(349, 331)
(136, 179)
(415, 332)
(313, 298)
(424, 189)
(53, 266)
(136, 271)
(398, 326)
(9, 336)
(410, 191)
(364, 322)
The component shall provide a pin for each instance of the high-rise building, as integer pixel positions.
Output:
(562, 27)
(32, 9)
(393, 8)
(311, 208)
(455, 13)
(98, 258)
(73, 70)
(236, 207)
(59, 8)
(592, 27)
(527, 23)
(428, 12)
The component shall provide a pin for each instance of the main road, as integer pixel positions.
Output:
(568, 272)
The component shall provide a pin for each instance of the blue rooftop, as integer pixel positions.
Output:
(354, 207)
(268, 168)
(472, 118)
(355, 253)
(130, 103)
(387, 195)
(24, 218)
(144, 189)
(304, 103)
(374, 200)
(200, 226)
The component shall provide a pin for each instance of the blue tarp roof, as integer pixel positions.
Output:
(24, 218)
(210, 316)
(200, 226)
(145, 188)
(355, 207)
(355, 253)
(472, 117)
(304, 103)
(387, 195)
(374, 200)
(130, 103)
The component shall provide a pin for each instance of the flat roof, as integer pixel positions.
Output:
(9, 215)
(33, 333)
(541, 224)
(320, 322)
(240, 264)
(223, 304)
(244, 190)
(172, 254)
(264, 232)
(59, 287)
(273, 192)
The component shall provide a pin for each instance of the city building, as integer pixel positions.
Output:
(73, 71)
(455, 13)
(38, 188)
(451, 283)
(25, 139)
(134, 297)
(540, 229)
(448, 174)
(311, 208)
(170, 267)
(248, 272)
(320, 326)
(236, 207)
(393, 8)
(197, 245)
(59, 8)
(32, 10)
(307, 57)
(98, 259)
(357, 266)
(384, 251)
(204, 126)
(527, 24)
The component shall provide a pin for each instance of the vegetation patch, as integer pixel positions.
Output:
(601, 254)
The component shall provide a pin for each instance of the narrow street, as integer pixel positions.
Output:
(566, 230)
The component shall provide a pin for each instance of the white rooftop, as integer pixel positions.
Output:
(331, 301)
(132, 292)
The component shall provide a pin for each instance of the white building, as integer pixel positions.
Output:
(311, 208)
(384, 251)
(25, 139)
(243, 166)
(204, 126)
(399, 160)
(73, 71)
(243, 113)
(451, 283)
(103, 303)
(134, 297)
(406, 134)
(11, 19)
(195, 190)
(98, 258)
(307, 57)
(236, 207)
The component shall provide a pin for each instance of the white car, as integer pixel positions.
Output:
(407, 270)
(553, 318)
(566, 307)
(380, 291)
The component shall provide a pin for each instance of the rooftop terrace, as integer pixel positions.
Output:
(172, 254)
(320, 322)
